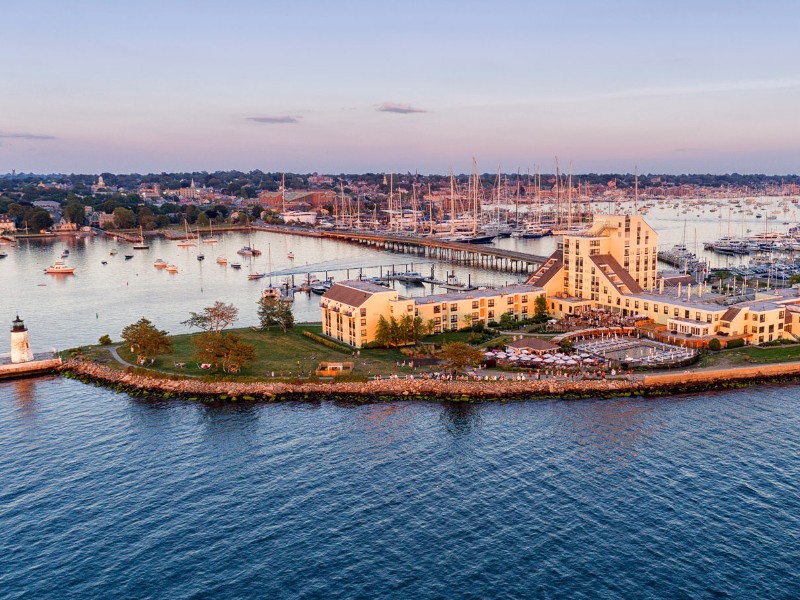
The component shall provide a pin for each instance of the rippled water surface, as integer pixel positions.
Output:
(107, 496)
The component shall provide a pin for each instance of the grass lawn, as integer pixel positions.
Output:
(754, 354)
(276, 351)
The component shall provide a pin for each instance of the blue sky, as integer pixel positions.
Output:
(669, 86)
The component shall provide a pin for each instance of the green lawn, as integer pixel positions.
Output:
(755, 356)
(279, 352)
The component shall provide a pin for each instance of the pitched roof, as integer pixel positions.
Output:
(730, 314)
(606, 260)
(353, 293)
(548, 270)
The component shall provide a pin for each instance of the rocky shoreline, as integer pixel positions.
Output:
(136, 383)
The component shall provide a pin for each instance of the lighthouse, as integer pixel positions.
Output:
(20, 342)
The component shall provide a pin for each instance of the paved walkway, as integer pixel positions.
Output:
(118, 358)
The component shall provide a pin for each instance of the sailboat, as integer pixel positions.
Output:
(210, 239)
(200, 255)
(270, 292)
(186, 242)
(141, 245)
(248, 250)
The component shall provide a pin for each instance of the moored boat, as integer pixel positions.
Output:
(160, 264)
(60, 268)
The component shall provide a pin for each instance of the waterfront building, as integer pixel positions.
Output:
(612, 266)
(351, 310)
(7, 224)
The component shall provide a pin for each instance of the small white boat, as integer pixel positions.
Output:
(290, 256)
(160, 264)
(222, 260)
(113, 252)
(60, 268)
(172, 269)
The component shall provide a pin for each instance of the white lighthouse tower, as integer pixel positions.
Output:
(20, 342)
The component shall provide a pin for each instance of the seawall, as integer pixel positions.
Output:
(136, 382)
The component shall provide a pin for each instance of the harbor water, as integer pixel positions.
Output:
(105, 495)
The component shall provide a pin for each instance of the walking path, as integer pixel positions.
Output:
(118, 358)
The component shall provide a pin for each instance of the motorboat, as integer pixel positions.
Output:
(248, 251)
(236, 265)
(60, 268)
(160, 264)
(290, 256)
(128, 256)
(172, 269)
(113, 252)
(410, 277)
(222, 260)
(254, 276)
(3, 254)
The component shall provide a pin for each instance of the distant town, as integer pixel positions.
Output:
(36, 203)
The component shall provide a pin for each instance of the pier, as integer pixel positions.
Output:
(475, 255)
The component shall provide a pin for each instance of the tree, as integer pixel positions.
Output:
(540, 313)
(506, 321)
(459, 355)
(383, 335)
(714, 344)
(124, 218)
(75, 212)
(146, 340)
(227, 351)
(39, 219)
(213, 318)
(274, 311)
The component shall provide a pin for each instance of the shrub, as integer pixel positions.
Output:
(714, 345)
(105, 340)
(735, 343)
(326, 342)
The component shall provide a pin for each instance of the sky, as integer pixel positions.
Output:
(352, 86)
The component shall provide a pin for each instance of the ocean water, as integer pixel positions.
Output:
(104, 495)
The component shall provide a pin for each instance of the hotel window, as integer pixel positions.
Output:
(363, 322)
(697, 316)
(636, 305)
(666, 310)
(708, 318)
(491, 303)
(771, 328)
(491, 314)
(524, 299)
(363, 312)
(363, 332)
(627, 303)
(647, 306)
(655, 308)
(454, 306)
(761, 318)
(677, 312)
(510, 300)
(475, 304)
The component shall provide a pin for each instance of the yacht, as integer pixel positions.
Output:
(411, 277)
(60, 268)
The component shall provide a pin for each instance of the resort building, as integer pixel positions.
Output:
(613, 266)
(351, 310)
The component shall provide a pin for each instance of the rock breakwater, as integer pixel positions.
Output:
(139, 383)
